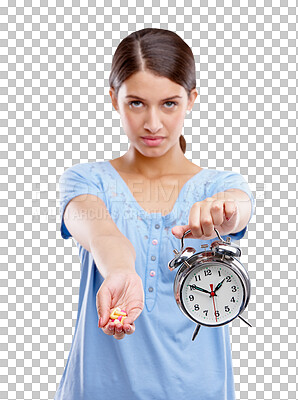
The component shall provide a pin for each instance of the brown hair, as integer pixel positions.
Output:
(160, 51)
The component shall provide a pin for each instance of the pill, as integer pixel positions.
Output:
(118, 311)
(118, 315)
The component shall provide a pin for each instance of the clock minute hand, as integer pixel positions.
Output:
(219, 285)
(200, 289)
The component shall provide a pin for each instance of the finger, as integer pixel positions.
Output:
(119, 336)
(103, 302)
(230, 208)
(194, 221)
(109, 329)
(206, 222)
(217, 213)
(125, 329)
(179, 230)
(129, 329)
(133, 312)
(119, 332)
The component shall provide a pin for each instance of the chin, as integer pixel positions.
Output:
(153, 152)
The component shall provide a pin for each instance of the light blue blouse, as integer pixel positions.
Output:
(159, 361)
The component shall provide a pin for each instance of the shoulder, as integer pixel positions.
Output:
(93, 176)
(82, 178)
(217, 175)
(85, 170)
(87, 166)
(220, 181)
(215, 180)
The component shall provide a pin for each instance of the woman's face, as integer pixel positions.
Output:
(152, 106)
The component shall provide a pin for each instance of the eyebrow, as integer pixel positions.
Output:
(139, 98)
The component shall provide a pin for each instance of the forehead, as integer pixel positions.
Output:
(149, 86)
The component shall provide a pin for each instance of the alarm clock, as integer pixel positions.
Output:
(211, 287)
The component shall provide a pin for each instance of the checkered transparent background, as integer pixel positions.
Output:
(56, 111)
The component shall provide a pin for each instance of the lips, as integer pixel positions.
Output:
(152, 137)
(152, 141)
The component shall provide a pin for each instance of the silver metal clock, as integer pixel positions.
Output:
(211, 287)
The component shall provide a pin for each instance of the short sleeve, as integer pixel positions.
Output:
(233, 180)
(77, 180)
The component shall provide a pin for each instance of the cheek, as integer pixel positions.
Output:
(175, 123)
(130, 123)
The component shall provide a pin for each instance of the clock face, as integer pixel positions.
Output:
(212, 294)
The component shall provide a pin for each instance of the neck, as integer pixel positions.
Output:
(172, 162)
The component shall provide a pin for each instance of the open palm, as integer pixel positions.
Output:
(124, 290)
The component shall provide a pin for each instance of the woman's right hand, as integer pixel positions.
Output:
(124, 290)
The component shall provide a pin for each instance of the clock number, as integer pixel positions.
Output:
(206, 312)
(234, 289)
(229, 279)
(217, 313)
(232, 300)
(207, 272)
(196, 277)
(227, 308)
(197, 307)
(191, 297)
(219, 274)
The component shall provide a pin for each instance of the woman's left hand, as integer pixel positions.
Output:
(204, 216)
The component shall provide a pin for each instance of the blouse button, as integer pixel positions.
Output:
(152, 273)
(154, 241)
(157, 226)
(150, 289)
(153, 258)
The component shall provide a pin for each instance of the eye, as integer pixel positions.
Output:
(171, 102)
(136, 102)
(131, 102)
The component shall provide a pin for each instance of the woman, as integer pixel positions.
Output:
(127, 215)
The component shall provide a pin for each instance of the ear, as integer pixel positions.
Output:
(114, 99)
(192, 97)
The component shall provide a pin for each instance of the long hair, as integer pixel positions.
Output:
(160, 51)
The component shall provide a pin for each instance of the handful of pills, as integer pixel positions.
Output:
(118, 315)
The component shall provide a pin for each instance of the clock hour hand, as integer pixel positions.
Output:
(198, 288)
(219, 285)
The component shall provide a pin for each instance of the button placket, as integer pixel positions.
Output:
(154, 241)
(153, 258)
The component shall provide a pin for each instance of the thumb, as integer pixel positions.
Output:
(179, 230)
(103, 302)
(133, 314)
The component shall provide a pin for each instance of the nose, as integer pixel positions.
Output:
(152, 121)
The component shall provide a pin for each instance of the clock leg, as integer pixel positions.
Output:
(196, 332)
(242, 319)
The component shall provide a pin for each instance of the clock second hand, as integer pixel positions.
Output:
(213, 294)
